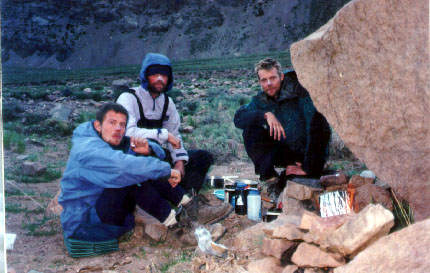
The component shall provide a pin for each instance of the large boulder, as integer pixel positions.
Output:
(367, 71)
(402, 251)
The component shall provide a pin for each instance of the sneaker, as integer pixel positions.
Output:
(200, 210)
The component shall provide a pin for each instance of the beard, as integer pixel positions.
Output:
(157, 89)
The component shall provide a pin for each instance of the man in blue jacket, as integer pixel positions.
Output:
(281, 126)
(108, 174)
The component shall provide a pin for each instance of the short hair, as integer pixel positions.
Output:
(111, 106)
(268, 64)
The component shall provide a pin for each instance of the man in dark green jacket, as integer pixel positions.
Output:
(281, 126)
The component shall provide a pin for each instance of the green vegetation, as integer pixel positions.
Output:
(51, 174)
(42, 227)
(403, 214)
(13, 140)
(182, 258)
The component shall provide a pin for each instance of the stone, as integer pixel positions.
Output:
(334, 179)
(22, 157)
(368, 174)
(32, 168)
(275, 247)
(405, 250)
(54, 207)
(300, 191)
(120, 85)
(314, 270)
(308, 255)
(187, 129)
(342, 187)
(151, 226)
(322, 227)
(250, 238)
(291, 206)
(60, 112)
(307, 220)
(368, 194)
(267, 264)
(280, 221)
(358, 180)
(367, 72)
(287, 231)
(290, 268)
(87, 90)
(373, 222)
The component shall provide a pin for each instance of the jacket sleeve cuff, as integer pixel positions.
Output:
(180, 155)
(162, 135)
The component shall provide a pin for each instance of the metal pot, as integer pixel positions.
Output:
(216, 182)
(250, 183)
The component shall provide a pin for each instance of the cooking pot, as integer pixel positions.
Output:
(250, 183)
(217, 182)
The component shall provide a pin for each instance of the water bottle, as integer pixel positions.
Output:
(240, 199)
(254, 205)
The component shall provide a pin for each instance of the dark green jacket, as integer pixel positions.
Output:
(294, 109)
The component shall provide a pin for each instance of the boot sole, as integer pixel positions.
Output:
(219, 218)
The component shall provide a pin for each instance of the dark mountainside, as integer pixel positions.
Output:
(85, 33)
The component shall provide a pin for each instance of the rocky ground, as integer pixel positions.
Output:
(38, 121)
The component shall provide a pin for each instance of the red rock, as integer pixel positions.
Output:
(275, 247)
(268, 264)
(288, 231)
(299, 191)
(322, 227)
(335, 179)
(383, 118)
(371, 194)
(357, 181)
(308, 255)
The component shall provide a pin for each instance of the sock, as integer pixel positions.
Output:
(185, 200)
(171, 219)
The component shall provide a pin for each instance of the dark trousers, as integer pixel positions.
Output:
(267, 153)
(196, 169)
(114, 204)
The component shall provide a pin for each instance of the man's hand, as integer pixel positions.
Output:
(176, 142)
(180, 166)
(140, 145)
(295, 169)
(175, 178)
(276, 129)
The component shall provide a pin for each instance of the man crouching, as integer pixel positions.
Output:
(108, 174)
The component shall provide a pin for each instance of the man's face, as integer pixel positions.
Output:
(270, 81)
(157, 83)
(112, 129)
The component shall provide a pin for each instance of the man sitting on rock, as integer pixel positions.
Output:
(108, 174)
(153, 115)
(281, 127)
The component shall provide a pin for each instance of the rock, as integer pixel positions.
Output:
(301, 191)
(32, 168)
(268, 264)
(365, 73)
(275, 247)
(308, 255)
(54, 207)
(280, 221)
(371, 194)
(66, 92)
(291, 206)
(218, 249)
(335, 179)
(287, 231)
(151, 226)
(358, 181)
(120, 85)
(250, 238)
(290, 268)
(402, 251)
(60, 112)
(87, 90)
(370, 224)
(22, 157)
(138, 232)
(308, 219)
(187, 129)
(322, 227)
(314, 270)
(368, 174)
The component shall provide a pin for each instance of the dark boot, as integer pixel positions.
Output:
(199, 210)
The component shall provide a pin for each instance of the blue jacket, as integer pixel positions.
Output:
(94, 165)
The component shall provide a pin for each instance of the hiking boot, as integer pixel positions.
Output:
(200, 210)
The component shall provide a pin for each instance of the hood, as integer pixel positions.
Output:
(288, 89)
(151, 59)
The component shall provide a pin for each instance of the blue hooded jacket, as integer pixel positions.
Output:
(94, 165)
(153, 59)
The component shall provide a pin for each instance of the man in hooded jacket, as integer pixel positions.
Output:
(153, 115)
